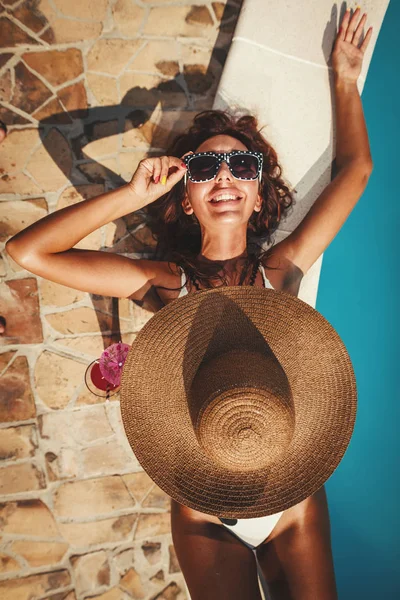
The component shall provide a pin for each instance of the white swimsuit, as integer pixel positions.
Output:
(251, 531)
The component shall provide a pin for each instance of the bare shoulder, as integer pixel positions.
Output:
(282, 273)
(163, 284)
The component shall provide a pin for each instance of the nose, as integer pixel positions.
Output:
(224, 173)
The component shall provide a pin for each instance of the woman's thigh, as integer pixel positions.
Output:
(215, 564)
(297, 558)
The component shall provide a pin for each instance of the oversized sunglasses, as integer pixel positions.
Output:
(204, 166)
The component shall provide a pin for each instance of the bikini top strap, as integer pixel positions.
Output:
(266, 281)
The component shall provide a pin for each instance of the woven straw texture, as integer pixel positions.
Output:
(238, 402)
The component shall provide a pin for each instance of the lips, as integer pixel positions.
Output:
(224, 196)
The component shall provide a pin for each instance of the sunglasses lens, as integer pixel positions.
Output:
(202, 168)
(244, 166)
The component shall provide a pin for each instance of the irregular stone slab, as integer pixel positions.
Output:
(132, 583)
(170, 592)
(140, 316)
(52, 113)
(73, 195)
(102, 170)
(5, 358)
(38, 554)
(138, 484)
(80, 320)
(91, 571)
(158, 55)
(12, 35)
(114, 594)
(51, 163)
(16, 149)
(104, 140)
(56, 378)
(55, 428)
(91, 345)
(56, 66)
(166, 124)
(67, 31)
(28, 14)
(73, 97)
(10, 117)
(159, 577)
(90, 424)
(28, 517)
(143, 90)
(95, 10)
(91, 497)
(128, 17)
(104, 88)
(19, 302)
(173, 560)
(29, 91)
(2, 267)
(199, 15)
(129, 162)
(110, 56)
(5, 87)
(18, 442)
(17, 214)
(20, 478)
(98, 532)
(152, 552)
(34, 586)
(153, 524)
(8, 563)
(16, 398)
(157, 499)
(124, 560)
(179, 21)
(63, 465)
(17, 184)
(54, 294)
(61, 596)
(4, 58)
(106, 459)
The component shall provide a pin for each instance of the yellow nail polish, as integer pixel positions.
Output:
(163, 180)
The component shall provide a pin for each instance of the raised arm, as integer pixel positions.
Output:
(353, 157)
(46, 247)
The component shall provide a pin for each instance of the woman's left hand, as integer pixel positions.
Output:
(347, 57)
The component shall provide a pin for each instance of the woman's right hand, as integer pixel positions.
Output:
(154, 177)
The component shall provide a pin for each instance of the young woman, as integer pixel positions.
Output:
(208, 208)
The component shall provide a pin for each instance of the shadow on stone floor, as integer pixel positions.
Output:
(150, 118)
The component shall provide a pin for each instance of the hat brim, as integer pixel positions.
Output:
(159, 428)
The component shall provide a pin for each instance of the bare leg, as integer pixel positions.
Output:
(216, 565)
(297, 558)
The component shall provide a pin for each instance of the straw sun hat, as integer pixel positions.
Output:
(238, 402)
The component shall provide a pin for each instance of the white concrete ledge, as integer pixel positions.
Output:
(278, 68)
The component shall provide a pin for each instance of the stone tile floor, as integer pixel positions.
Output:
(87, 88)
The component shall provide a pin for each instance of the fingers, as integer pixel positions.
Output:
(173, 171)
(167, 170)
(357, 33)
(365, 43)
(157, 168)
(351, 32)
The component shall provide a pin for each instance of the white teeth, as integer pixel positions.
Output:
(225, 197)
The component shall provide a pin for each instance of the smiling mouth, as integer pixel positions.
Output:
(225, 198)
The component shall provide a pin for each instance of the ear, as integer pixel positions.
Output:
(187, 207)
(258, 204)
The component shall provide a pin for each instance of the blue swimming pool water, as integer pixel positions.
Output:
(359, 294)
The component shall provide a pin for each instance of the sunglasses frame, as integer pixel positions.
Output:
(224, 157)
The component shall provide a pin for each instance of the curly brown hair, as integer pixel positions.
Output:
(178, 235)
